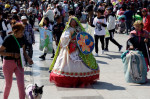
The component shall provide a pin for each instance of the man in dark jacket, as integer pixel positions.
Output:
(128, 19)
(90, 10)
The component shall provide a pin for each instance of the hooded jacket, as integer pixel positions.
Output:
(111, 21)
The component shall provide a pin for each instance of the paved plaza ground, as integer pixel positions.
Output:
(111, 84)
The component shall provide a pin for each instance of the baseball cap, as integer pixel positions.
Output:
(23, 18)
(13, 10)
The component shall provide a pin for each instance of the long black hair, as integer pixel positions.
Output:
(48, 22)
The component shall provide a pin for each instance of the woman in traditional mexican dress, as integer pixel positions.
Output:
(70, 67)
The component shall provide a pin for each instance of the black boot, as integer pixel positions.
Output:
(42, 57)
(53, 54)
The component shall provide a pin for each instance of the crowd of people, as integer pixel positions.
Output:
(63, 18)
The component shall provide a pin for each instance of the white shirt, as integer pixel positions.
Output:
(111, 22)
(56, 10)
(49, 14)
(99, 29)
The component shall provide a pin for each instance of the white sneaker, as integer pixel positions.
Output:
(96, 54)
(102, 52)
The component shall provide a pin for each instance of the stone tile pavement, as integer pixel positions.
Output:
(110, 86)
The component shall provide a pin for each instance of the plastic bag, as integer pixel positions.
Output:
(107, 33)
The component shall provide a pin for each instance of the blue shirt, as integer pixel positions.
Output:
(128, 15)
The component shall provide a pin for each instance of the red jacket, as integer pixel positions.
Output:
(146, 23)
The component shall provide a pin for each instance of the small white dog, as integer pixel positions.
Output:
(34, 92)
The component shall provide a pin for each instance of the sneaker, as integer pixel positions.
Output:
(96, 54)
(42, 57)
(106, 49)
(102, 52)
(120, 48)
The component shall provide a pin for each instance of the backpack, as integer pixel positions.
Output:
(135, 68)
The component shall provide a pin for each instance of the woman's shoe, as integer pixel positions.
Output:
(120, 48)
(52, 56)
(42, 57)
(96, 55)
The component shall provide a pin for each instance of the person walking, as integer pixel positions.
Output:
(11, 50)
(29, 36)
(48, 26)
(146, 19)
(111, 28)
(99, 33)
(90, 10)
(58, 28)
(128, 19)
(49, 13)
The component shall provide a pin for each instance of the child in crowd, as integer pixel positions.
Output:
(48, 26)
(99, 33)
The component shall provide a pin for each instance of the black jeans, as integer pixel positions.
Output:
(128, 25)
(111, 38)
(96, 42)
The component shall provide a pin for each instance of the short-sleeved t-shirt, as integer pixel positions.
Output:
(11, 45)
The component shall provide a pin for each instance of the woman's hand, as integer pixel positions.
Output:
(26, 56)
(30, 61)
(145, 40)
(16, 55)
(131, 48)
